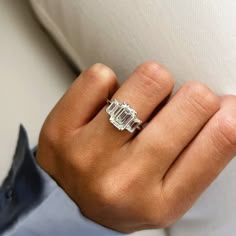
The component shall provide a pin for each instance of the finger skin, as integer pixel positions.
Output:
(110, 183)
(204, 159)
(77, 107)
(145, 89)
(85, 97)
(173, 128)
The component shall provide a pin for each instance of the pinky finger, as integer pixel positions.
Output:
(204, 159)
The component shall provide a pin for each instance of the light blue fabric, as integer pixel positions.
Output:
(31, 203)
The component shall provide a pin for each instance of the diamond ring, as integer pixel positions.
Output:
(122, 116)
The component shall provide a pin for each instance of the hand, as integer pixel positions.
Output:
(130, 182)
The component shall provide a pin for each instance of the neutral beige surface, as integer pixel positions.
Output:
(32, 76)
(195, 40)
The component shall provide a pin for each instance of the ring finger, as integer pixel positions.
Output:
(145, 89)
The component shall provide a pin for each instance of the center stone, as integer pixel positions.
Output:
(121, 115)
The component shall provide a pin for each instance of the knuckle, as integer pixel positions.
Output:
(201, 97)
(50, 143)
(113, 187)
(49, 134)
(108, 192)
(101, 74)
(226, 129)
(228, 101)
(153, 74)
(228, 98)
(52, 134)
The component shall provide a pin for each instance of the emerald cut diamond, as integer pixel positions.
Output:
(122, 116)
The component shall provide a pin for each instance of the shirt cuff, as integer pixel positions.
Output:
(31, 203)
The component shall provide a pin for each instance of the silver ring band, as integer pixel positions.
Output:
(123, 116)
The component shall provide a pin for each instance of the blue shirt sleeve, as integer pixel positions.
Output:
(31, 203)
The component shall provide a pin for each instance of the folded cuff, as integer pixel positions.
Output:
(31, 203)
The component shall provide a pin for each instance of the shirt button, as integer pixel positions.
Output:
(9, 193)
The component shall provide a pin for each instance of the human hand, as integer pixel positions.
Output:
(130, 182)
